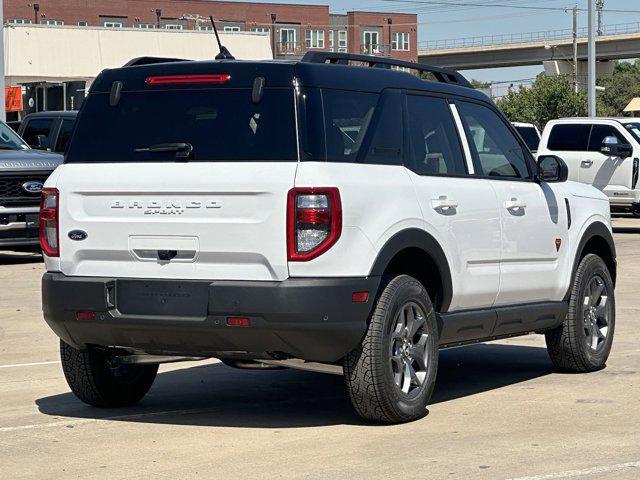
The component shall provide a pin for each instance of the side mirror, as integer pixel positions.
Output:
(42, 142)
(552, 169)
(612, 148)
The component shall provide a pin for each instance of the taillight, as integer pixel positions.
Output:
(49, 240)
(314, 222)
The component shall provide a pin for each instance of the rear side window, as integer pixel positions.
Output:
(35, 127)
(66, 129)
(530, 137)
(495, 147)
(435, 148)
(347, 117)
(221, 124)
(569, 138)
(599, 133)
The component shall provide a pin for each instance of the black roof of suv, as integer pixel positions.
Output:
(325, 69)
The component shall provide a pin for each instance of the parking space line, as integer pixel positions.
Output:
(17, 365)
(134, 416)
(583, 473)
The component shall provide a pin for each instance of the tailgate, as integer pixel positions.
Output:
(201, 220)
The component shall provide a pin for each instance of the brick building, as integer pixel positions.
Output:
(293, 28)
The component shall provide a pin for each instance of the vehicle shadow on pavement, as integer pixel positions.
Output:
(217, 395)
(19, 258)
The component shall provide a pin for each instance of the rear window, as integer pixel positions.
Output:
(530, 137)
(220, 125)
(570, 138)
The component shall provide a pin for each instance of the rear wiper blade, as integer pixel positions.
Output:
(182, 149)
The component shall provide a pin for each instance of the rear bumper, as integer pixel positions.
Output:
(307, 318)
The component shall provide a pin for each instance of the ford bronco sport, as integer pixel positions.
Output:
(312, 212)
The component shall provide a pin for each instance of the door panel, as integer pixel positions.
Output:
(533, 219)
(461, 208)
(531, 232)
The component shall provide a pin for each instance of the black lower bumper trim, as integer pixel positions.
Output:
(308, 318)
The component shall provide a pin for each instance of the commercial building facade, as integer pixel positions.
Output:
(293, 28)
(289, 30)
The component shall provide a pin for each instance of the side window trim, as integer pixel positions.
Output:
(468, 158)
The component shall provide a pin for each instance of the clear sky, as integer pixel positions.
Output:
(450, 19)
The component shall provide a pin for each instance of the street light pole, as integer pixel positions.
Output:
(591, 82)
(3, 107)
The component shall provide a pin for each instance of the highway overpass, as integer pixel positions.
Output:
(609, 47)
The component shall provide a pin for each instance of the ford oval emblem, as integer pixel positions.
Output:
(32, 187)
(78, 235)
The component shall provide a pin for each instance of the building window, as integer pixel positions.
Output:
(371, 44)
(260, 30)
(315, 38)
(400, 41)
(331, 40)
(288, 41)
(231, 29)
(204, 28)
(19, 21)
(83, 23)
(342, 41)
(144, 25)
(172, 26)
(112, 24)
(56, 23)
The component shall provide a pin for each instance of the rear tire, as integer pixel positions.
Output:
(93, 380)
(391, 375)
(583, 342)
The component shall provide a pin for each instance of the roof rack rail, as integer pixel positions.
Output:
(441, 75)
(151, 60)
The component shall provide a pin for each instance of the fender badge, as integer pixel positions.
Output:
(77, 235)
(558, 244)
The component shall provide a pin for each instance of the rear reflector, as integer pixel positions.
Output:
(238, 322)
(360, 297)
(182, 79)
(85, 316)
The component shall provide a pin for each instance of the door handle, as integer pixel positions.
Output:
(515, 205)
(444, 205)
(586, 163)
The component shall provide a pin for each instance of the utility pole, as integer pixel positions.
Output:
(591, 77)
(3, 107)
(599, 7)
(575, 48)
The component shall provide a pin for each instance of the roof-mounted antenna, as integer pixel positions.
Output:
(224, 53)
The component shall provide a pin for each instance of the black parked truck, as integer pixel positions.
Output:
(23, 172)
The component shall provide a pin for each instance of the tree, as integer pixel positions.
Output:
(620, 88)
(479, 83)
(549, 97)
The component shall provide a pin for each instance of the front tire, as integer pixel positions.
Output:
(583, 342)
(93, 380)
(391, 375)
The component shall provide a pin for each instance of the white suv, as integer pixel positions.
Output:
(603, 152)
(312, 212)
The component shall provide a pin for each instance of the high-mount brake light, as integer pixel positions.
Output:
(188, 79)
(49, 206)
(314, 222)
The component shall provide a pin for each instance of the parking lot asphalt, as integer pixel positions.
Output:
(499, 411)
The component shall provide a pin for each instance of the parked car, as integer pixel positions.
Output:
(50, 131)
(23, 172)
(313, 214)
(602, 152)
(529, 133)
